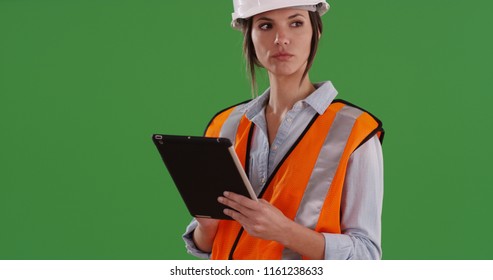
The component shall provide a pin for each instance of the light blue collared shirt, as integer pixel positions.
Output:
(362, 197)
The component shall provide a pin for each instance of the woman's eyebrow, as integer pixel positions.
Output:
(295, 15)
(269, 19)
(264, 18)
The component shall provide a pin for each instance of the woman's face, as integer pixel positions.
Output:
(282, 40)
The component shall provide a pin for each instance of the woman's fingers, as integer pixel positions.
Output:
(237, 216)
(241, 200)
(238, 202)
(259, 218)
(238, 206)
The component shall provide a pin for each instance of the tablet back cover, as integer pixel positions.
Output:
(202, 169)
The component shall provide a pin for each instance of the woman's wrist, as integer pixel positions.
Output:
(203, 236)
(303, 240)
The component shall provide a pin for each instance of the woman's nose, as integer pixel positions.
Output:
(281, 38)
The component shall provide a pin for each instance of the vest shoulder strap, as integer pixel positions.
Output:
(378, 130)
(213, 128)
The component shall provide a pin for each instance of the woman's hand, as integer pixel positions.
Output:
(208, 224)
(204, 233)
(259, 218)
(263, 220)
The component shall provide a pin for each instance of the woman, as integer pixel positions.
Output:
(316, 163)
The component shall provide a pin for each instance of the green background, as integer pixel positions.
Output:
(84, 84)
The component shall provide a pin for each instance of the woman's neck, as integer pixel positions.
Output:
(286, 91)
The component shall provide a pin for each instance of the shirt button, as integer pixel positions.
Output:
(262, 180)
(274, 147)
(289, 120)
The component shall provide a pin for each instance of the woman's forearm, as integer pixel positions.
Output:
(204, 237)
(304, 241)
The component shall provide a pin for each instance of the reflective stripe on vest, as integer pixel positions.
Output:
(307, 184)
(230, 127)
(324, 171)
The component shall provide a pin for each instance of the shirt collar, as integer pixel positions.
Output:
(319, 100)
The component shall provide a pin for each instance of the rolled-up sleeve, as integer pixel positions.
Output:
(361, 207)
(190, 244)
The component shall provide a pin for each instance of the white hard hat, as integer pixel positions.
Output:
(244, 9)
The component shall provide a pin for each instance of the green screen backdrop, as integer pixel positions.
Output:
(84, 84)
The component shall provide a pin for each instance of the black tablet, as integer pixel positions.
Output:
(203, 168)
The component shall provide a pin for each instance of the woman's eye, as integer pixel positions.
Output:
(297, 24)
(265, 26)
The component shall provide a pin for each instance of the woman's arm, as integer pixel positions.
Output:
(204, 234)
(361, 207)
(190, 243)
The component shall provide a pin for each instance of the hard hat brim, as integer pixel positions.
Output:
(322, 8)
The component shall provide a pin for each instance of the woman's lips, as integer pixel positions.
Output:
(282, 56)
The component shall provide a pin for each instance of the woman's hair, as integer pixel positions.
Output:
(251, 57)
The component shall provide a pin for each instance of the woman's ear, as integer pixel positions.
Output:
(319, 35)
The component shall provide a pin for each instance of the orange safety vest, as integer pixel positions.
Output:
(306, 185)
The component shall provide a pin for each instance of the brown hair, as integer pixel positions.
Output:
(251, 57)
